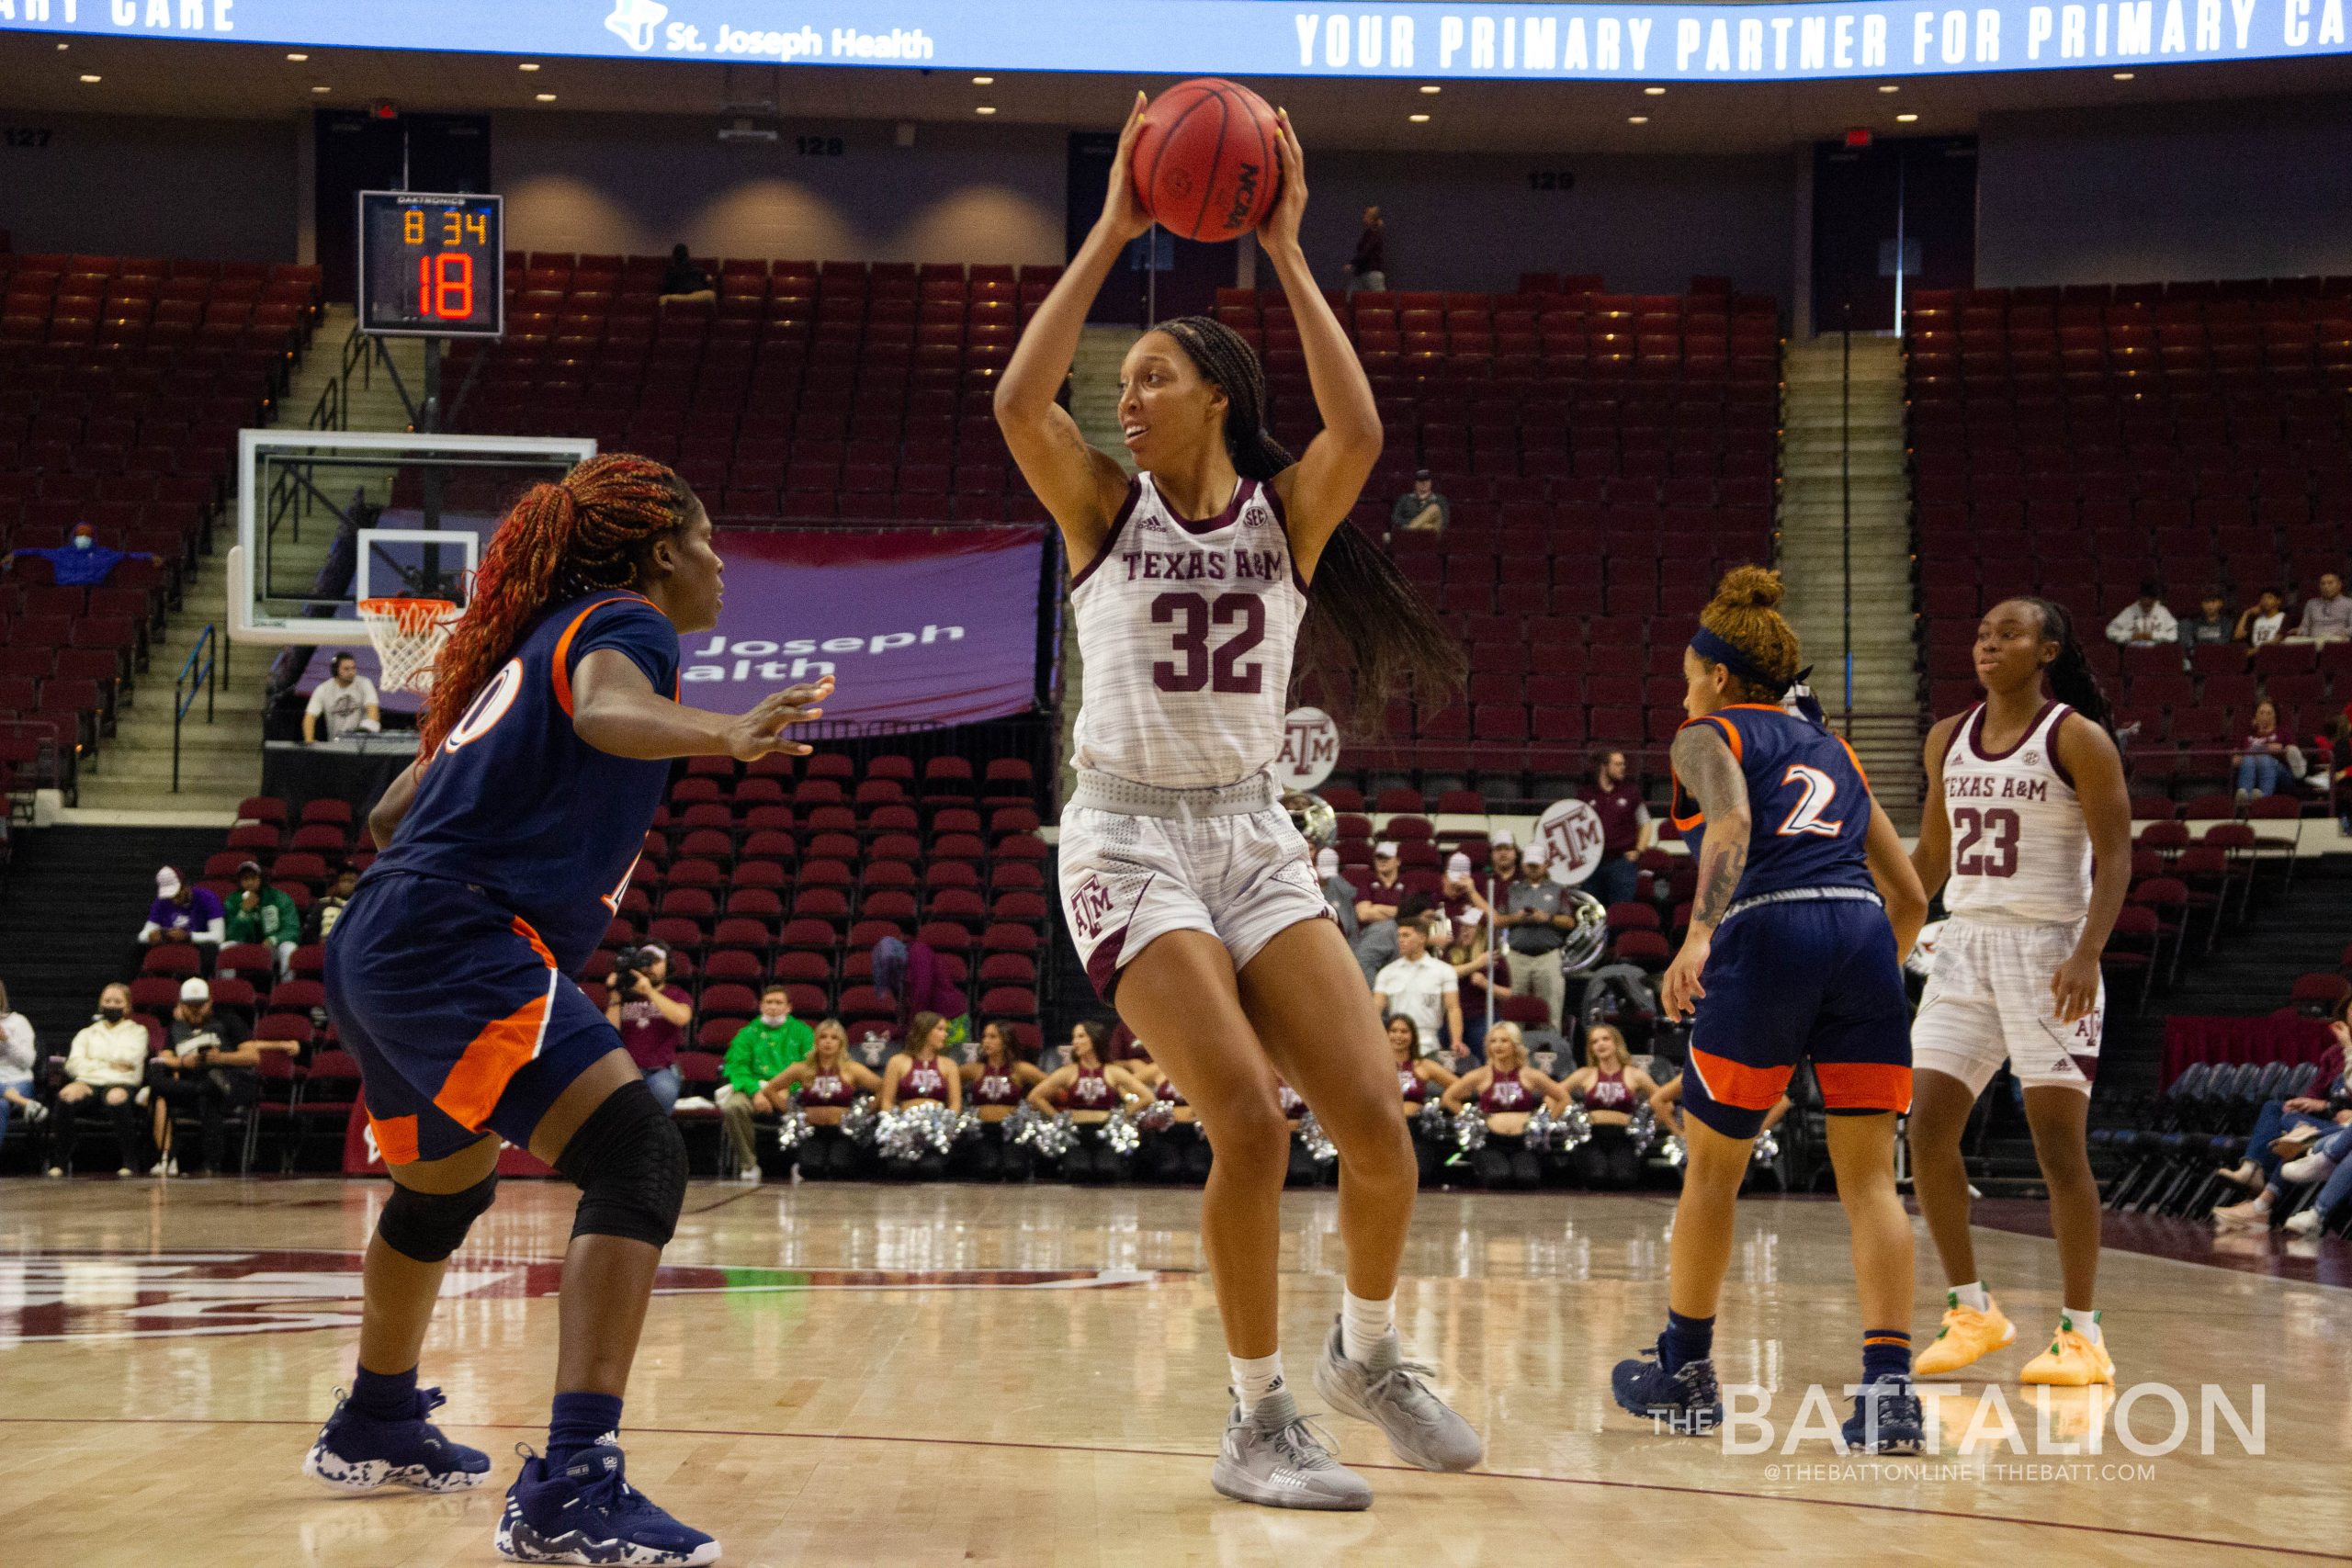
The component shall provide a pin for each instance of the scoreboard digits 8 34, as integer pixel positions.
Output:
(431, 266)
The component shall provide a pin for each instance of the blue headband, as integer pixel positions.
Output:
(1710, 647)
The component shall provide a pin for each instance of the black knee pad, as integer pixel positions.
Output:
(629, 1164)
(428, 1227)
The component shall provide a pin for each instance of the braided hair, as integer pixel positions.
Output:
(2071, 680)
(585, 532)
(1363, 613)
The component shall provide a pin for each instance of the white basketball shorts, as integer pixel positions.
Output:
(1989, 1002)
(1129, 878)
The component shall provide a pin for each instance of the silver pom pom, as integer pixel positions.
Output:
(1643, 1129)
(1574, 1129)
(791, 1128)
(1158, 1117)
(968, 1126)
(1470, 1129)
(1768, 1148)
(1675, 1151)
(1540, 1129)
(1051, 1137)
(857, 1121)
(1318, 1143)
(908, 1133)
(1121, 1132)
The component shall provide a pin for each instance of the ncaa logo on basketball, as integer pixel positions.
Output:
(1245, 198)
(1571, 836)
(633, 22)
(1090, 907)
(1310, 749)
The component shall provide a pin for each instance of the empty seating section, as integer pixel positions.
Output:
(1606, 455)
(2074, 441)
(124, 383)
(850, 391)
(786, 869)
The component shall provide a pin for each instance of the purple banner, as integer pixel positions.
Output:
(918, 627)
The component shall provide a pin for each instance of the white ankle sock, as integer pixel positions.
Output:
(1364, 1325)
(2082, 1320)
(1972, 1295)
(1254, 1378)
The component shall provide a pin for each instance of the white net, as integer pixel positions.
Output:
(407, 635)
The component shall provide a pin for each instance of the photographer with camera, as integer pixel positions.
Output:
(651, 1015)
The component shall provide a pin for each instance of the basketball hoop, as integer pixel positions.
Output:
(407, 635)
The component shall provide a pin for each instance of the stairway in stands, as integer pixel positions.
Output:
(219, 761)
(75, 899)
(1815, 419)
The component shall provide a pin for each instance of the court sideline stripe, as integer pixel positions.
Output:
(2271, 1548)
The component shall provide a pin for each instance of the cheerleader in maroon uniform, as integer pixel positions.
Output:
(1089, 1090)
(1176, 1152)
(994, 1087)
(827, 1083)
(1508, 1091)
(920, 1075)
(1417, 1077)
(1611, 1089)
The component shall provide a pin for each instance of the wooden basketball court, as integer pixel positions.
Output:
(921, 1375)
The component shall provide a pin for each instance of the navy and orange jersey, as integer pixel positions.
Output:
(516, 804)
(1809, 803)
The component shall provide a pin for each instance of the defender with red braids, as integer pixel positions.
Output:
(543, 755)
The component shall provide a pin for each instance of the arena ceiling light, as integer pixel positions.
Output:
(1431, 88)
(298, 57)
(544, 97)
(1906, 118)
(1419, 118)
(2124, 75)
(985, 109)
(1654, 91)
(983, 81)
(1637, 120)
(1890, 88)
(322, 88)
(527, 65)
(89, 78)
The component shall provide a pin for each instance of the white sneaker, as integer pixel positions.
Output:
(124, 1170)
(1272, 1457)
(749, 1177)
(2312, 1167)
(2303, 1222)
(56, 1170)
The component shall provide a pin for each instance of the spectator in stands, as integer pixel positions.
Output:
(329, 909)
(2263, 621)
(761, 1050)
(1368, 268)
(262, 915)
(1464, 949)
(2338, 752)
(2286, 1129)
(2213, 622)
(2327, 617)
(16, 1053)
(1424, 988)
(683, 282)
(184, 915)
(1458, 898)
(1376, 909)
(1624, 827)
(347, 701)
(2330, 1164)
(108, 1059)
(209, 1066)
(2144, 622)
(1531, 923)
(2260, 764)
(84, 563)
(1339, 893)
(651, 1015)
(1421, 509)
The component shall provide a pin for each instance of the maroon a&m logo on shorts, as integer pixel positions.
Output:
(1090, 907)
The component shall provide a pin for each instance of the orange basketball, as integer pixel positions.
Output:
(1205, 165)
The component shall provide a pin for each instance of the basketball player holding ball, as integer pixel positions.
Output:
(1188, 891)
(543, 753)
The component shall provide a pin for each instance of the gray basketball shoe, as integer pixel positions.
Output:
(1272, 1456)
(1388, 1391)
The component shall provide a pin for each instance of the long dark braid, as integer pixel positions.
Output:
(2071, 680)
(1363, 613)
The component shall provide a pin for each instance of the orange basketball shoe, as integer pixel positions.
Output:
(1966, 1337)
(2073, 1360)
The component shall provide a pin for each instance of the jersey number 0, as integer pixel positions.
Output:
(1219, 669)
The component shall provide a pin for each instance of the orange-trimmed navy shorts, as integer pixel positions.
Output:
(459, 1016)
(1803, 979)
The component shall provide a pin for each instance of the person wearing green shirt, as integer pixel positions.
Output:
(761, 1049)
(261, 914)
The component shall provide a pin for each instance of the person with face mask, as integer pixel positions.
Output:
(103, 1071)
(84, 563)
(761, 1049)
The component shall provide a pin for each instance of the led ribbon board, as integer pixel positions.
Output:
(1269, 38)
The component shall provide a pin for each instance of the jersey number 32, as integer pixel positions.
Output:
(1196, 664)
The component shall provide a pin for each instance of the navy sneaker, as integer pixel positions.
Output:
(588, 1512)
(1887, 1419)
(1685, 1399)
(357, 1453)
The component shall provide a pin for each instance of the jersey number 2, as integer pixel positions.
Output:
(1997, 830)
(1221, 671)
(1820, 789)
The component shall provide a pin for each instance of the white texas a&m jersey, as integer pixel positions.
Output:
(1187, 631)
(2021, 850)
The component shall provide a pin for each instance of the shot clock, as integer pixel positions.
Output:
(431, 266)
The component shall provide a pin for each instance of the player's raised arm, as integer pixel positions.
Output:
(1080, 485)
(616, 709)
(1711, 776)
(1325, 484)
(1931, 856)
